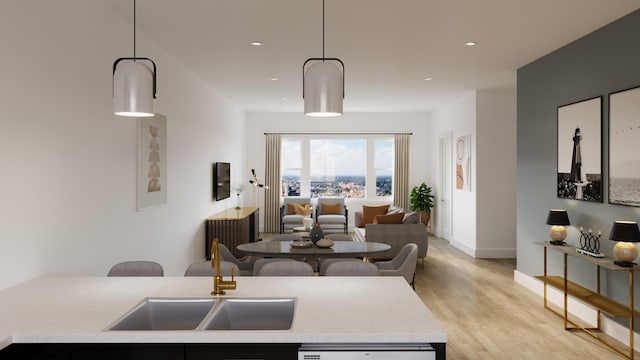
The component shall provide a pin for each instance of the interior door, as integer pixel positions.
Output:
(444, 205)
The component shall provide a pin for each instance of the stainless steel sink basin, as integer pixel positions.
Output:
(166, 314)
(252, 314)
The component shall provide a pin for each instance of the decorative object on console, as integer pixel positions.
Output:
(579, 163)
(238, 189)
(134, 83)
(626, 233)
(558, 219)
(316, 233)
(590, 243)
(422, 202)
(323, 84)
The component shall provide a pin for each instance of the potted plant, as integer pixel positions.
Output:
(422, 202)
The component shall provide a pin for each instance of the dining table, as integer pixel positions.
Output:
(285, 249)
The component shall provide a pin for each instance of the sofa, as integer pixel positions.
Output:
(396, 235)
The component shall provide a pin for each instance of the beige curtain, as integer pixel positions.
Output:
(401, 189)
(272, 179)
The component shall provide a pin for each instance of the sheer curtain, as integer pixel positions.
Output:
(272, 179)
(401, 171)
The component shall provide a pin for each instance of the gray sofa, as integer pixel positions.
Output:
(396, 235)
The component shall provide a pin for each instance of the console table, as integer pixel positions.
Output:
(232, 227)
(590, 297)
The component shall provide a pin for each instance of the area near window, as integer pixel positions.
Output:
(343, 166)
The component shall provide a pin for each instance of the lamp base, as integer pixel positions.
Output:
(624, 263)
(560, 243)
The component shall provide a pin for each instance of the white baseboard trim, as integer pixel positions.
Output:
(463, 247)
(576, 308)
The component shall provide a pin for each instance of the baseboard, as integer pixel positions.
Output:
(463, 247)
(576, 308)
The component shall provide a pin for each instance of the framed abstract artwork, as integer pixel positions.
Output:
(579, 166)
(463, 163)
(152, 161)
(624, 147)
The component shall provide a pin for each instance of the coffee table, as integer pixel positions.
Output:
(340, 249)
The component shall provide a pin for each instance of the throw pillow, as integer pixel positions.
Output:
(303, 209)
(291, 208)
(394, 210)
(330, 209)
(389, 219)
(410, 218)
(370, 212)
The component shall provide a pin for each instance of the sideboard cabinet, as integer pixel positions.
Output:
(232, 227)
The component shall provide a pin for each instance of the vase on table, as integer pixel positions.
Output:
(316, 233)
(307, 222)
(238, 202)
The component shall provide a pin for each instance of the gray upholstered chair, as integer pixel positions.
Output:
(338, 220)
(136, 268)
(289, 219)
(282, 267)
(243, 268)
(204, 269)
(403, 264)
(350, 267)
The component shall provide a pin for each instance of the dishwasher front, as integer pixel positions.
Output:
(366, 352)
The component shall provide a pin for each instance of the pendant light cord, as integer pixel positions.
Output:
(134, 30)
(322, 30)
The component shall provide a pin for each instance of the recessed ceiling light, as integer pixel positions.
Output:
(427, 78)
(274, 79)
(284, 98)
(256, 43)
(471, 43)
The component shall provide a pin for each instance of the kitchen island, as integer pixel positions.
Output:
(335, 310)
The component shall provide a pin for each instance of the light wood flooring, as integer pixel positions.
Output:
(489, 316)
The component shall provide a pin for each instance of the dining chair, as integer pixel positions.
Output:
(136, 268)
(243, 268)
(403, 264)
(204, 268)
(282, 267)
(350, 267)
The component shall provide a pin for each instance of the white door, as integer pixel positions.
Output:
(443, 206)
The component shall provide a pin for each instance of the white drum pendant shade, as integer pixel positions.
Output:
(133, 89)
(323, 90)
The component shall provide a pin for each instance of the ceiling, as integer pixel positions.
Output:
(388, 47)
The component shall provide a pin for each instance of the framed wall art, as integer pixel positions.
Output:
(152, 161)
(463, 163)
(624, 147)
(579, 167)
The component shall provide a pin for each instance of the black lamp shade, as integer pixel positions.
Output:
(626, 231)
(558, 217)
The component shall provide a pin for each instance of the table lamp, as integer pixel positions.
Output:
(626, 233)
(558, 219)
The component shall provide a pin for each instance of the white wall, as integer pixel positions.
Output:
(496, 174)
(418, 123)
(459, 118)
(483, 219)
(68, 183)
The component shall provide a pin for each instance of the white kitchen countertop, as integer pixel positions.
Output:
(328, 310)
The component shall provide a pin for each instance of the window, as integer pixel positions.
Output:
(337, 166)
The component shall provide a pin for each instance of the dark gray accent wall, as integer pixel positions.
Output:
(604, 61)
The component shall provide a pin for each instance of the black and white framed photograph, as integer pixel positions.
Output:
(579, 174)
(624, 147)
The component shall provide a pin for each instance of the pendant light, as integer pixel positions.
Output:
(134, 82)
(323, 84)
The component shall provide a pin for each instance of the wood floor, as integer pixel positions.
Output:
(489, 316)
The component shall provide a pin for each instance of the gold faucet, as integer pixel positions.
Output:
(219, 284)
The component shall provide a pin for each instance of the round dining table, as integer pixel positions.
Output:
(340, 249)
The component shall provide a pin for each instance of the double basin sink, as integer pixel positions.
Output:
(208, 314)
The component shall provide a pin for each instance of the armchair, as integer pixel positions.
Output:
(332, 214)
(288, 216)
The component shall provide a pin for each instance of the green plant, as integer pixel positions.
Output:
(421, 198)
